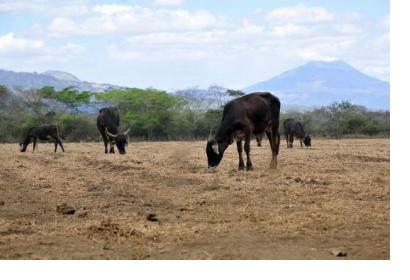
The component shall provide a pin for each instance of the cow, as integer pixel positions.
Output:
(258, 138)
(256, 113)
(292, 129)
(108, 122)
(43, 132)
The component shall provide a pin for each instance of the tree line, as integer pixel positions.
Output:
(159, 115)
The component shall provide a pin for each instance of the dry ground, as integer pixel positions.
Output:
(334, 195)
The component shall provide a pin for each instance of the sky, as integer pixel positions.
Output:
(174, 44)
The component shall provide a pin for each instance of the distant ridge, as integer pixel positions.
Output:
(57, 79)
(319, 83)
(60, 75)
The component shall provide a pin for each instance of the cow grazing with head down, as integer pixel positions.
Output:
(293, 129)
(253, 113)
(43, 132)
(108, 122)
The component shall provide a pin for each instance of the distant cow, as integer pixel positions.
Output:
(258, 138)
(43, 132)
(108, 122)
(293, 129)
(253, 113)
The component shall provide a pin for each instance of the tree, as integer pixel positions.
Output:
(235, 93)
(69, 97)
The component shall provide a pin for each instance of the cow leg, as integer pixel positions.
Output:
(287, 140)
(106, 144)
(239, 146)
(301, 142)
(247, 151)
(104, 137)
(34, 143)
(112, 143)
(55, 145)
(61, 144)
(291, 141)
(274, 145)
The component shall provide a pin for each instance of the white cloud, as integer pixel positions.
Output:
(45, 7)
(9, 43)
(168, 2)
(108, 19)
(112, 9)
(290, 29)
(71, 49)
(299, 14)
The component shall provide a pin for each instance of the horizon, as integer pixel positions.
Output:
(182, 88)
(191, 44)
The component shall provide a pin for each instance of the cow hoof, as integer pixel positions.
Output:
(249, 168)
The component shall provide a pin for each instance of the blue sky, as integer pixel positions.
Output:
(173, 44)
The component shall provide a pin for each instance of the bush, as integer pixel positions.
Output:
(78, 128)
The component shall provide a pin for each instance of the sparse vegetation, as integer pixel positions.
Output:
(158, 115)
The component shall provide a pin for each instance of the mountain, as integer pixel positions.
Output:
(60, 75)
(56, 79)
(320, 83)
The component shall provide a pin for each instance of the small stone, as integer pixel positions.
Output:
(298, 180)
(152, 217)
(65, 209)
(338, 253)
(1, 202)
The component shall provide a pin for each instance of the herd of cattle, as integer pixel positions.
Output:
(256, 113)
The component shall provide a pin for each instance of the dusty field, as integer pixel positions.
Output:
(334, 195)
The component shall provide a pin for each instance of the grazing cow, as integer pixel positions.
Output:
(108, 122)
(253, 113)
(258, 138)
(43, 132)
(292, 129)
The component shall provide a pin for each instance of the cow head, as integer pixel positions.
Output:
(214, 153)
(120, 139)
(24, 143)
(307, 141)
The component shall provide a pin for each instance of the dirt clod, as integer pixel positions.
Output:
(152, 217)
(1, 202)
(338, 253)
(65, 209)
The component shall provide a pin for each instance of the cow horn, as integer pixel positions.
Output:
(127, 131)
(109, 134)
(215, 148)
(210, 134)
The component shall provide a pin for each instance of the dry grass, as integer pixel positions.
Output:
(334, 195)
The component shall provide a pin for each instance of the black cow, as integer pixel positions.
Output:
(292, 129)
(43, 132)
(108, 122)
(253, 113)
